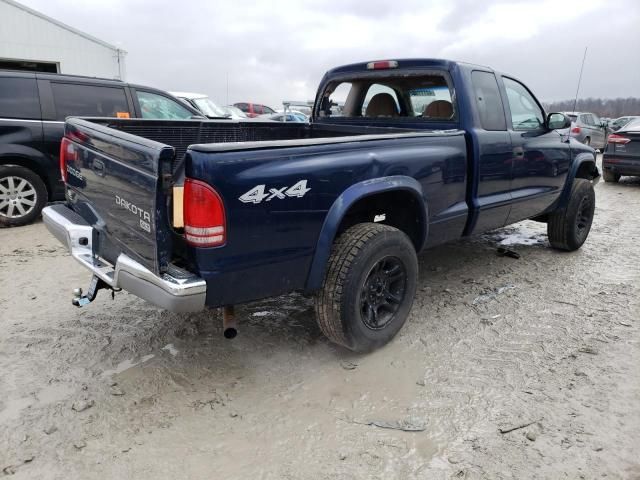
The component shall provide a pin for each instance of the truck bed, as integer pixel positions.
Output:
(180, 134)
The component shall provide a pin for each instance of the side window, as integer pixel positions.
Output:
(160, 107)
(19, 98)
(72, 99)
(525, 112)
(488, 101)
(242, 106)
(380, 92)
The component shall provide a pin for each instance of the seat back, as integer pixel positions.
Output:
(441, 109)
(381, 105)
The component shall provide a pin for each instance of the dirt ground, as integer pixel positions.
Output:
(507, 368)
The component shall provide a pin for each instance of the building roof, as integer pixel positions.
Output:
(62, 25)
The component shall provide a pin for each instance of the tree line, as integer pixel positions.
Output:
(609, 107)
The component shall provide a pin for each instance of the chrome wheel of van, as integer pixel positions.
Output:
(18, 197)
(23, 194)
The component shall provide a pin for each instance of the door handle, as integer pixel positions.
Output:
(98, 167)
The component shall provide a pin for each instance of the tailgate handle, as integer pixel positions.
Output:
(98, 167)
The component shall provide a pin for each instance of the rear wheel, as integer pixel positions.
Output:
(569, 227)
(587, 141)
(23, 195)
(369, 287)
(610, 176)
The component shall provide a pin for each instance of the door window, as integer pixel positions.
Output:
(525, 112)
(488, 101)
(160, 107)
(19, 98)
(71, 99)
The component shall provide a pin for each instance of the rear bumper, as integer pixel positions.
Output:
(622, 165)
(177, 290)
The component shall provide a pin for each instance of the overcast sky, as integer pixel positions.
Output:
(275, 50)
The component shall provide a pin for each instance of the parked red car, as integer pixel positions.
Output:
(254, 109)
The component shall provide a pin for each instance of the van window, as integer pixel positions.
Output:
(19, 98)
(72, 99)
(488, 101)
(157, 106)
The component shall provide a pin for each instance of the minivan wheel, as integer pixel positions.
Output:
(23, 195)
(369, 287)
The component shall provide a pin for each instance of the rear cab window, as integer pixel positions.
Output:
(72, 99)
(19, 98)
(422, 96)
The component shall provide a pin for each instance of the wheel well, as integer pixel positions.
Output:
(399, 209)
(31, 165)
(587, 170)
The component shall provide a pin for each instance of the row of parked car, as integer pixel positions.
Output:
(589, 129)
(239, 111)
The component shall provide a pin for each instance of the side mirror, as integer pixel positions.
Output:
(558, 121)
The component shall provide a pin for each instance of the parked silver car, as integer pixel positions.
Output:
(620, 122)
(588, 129)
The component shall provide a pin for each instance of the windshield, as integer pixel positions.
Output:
(574, 118)
(210, 109)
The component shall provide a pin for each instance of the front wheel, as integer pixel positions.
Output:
(368, 288)
(569, 227)
(23, 195)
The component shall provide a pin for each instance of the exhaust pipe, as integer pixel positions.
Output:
(229, 324)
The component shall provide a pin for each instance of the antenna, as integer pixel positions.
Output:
(575, 101)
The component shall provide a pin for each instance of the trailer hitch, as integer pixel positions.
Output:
(96, 284)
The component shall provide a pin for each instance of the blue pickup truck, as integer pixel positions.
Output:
(399, 156)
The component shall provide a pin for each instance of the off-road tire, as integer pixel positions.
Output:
(33, 183)
(354, 261)
(610, 176)
(569, 227)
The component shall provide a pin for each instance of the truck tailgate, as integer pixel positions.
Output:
(118, 182)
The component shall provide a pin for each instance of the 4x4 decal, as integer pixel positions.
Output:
(257, 194)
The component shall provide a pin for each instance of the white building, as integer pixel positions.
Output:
(30, 40)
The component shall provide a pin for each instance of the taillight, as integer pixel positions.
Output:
(68, 153)
(619, 139)
(204, 216)
(575, 130)
(382, 65)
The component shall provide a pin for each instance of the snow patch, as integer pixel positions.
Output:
(171, 349)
